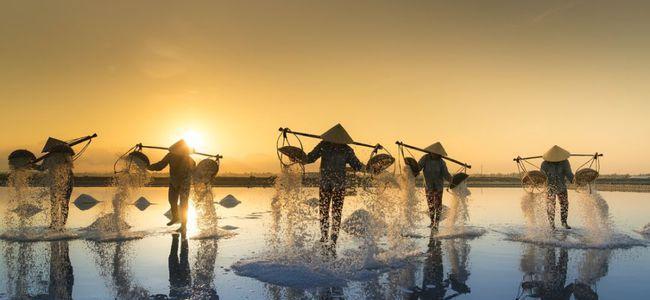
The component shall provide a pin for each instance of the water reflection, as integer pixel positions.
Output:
(545, 273)
(203, 267)
(112, 260)
(180, 279)
(434, 283)
(61, 272)
(195, 282)
(29, 270)
(32, 274)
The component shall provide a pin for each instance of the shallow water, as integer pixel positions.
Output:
(485, 267)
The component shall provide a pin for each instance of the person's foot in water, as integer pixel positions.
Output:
(566, 226)
(172, 221)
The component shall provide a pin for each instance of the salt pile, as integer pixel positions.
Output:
(27, 210)
(85, 202)
(357, 223)
(142, 203)
(229, 201)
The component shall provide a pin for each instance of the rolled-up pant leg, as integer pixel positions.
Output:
(338, 196)
(563, 197)
(324, 212)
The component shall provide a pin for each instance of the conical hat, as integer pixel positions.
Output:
(180, 148)
(436, 148)
(556, 154)
(51, 143)
(337, 135)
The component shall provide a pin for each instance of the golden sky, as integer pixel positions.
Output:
(489, 79)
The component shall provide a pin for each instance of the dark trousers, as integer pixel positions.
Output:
(563, 198)
(175, 194)
(60, 204)
(331, 199)
(434, 200)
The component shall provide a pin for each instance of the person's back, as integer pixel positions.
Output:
(435, 172)
(334, 158)
(180, 168)
(557, 174)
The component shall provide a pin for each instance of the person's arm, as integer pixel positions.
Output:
(445, 171)
(353, 161)
(544, 168)
(567, 171)
(315, 154)
(160, 165)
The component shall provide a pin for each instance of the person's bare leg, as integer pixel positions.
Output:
(184, 197)
(173, 203)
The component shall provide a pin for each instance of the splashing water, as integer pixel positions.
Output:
(410, 200)
(24, 200)
(290, 232)
(203, 270)
(393, 212)
(458, 254)
(25, 269)
(532, 207)
(595, 215)
(594, 265)
(458, 215)
(206, 214)
(126, 183)
(645, 230)
(112, 260)
(59, 172)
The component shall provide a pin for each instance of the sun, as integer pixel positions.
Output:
(194, 139)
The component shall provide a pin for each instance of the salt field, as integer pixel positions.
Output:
(240, 262)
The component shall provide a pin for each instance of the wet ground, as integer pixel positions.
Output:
(487, 267)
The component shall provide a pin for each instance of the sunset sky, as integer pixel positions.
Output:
(489, 79)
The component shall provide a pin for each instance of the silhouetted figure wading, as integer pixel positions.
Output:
(557, 169)
(181, 166)
(335, 154)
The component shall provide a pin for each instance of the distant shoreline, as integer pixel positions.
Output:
(603, 184)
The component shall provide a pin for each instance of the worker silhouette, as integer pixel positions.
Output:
(181, 166)
(435, 172)
(335, 154)
(557, 169)
(58, 164)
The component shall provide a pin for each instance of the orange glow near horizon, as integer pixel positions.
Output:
(489, 83)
